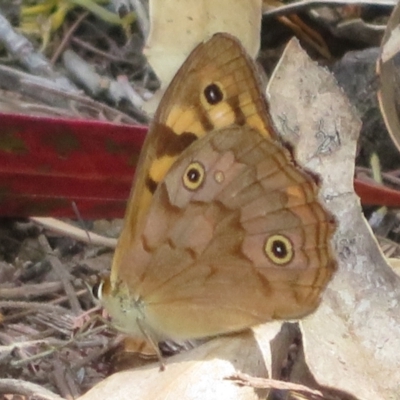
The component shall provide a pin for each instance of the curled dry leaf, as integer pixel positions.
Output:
(351, 340)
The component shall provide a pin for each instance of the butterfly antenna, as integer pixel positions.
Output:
(81, 221)
(147, 335)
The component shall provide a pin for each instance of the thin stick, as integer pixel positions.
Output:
(30, 291)
(307, 4)
(67, 37)
(28, 389)
(62, 274)
(265, 383)
(37, 306)
(74, 232)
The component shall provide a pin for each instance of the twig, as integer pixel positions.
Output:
(307, 4)
(7, 350)
(74, 232)
(85, 73)
(84, 102)
(97, 84)
(49, 306)
(97, 353)
(56, 348)
(28, 389)
(22, 49)
(387, 176)
(62, 274)
(59, 375)
(35, 357)
(48, 92)
(142, 14)
(265, 383)
(63, 324)
(103, 38)
(95, 50)
(67, 37)
(31, 305)
(14, 79)
(30, 291)
(141, 11)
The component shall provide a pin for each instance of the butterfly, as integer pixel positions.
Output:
(223, 230)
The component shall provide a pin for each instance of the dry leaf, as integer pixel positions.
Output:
(351, 340)
(195, 375)
(177, 26)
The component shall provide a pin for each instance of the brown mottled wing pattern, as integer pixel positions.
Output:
(216, 87)
(249, 244)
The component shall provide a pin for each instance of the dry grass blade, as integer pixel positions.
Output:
(74, 232)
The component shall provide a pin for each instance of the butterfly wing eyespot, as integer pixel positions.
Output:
(279, 249)
(194, 176)
(213, 93)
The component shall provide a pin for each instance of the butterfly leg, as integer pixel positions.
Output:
(153, 343)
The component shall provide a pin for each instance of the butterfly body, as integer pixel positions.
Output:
(223, 230)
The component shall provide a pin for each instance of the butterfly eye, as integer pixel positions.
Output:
(279, 249)
(97, 289)
(193, 176)
(213, 94)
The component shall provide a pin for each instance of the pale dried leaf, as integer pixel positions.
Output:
(194, 375)
(351, 340)
(177, 26)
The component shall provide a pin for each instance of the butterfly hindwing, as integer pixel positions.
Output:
(219, 241)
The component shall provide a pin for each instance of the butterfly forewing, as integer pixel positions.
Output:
(216, 87)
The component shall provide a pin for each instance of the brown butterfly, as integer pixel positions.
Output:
(221, 233)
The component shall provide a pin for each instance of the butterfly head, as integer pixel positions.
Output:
(123, 309)
(97, 289)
